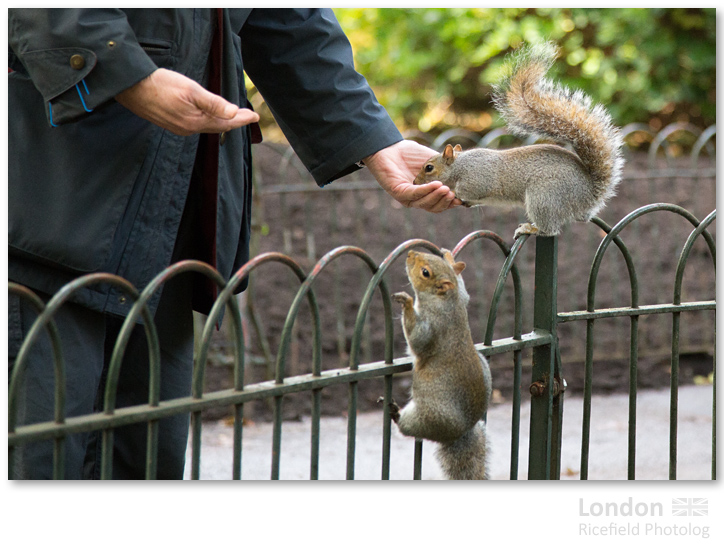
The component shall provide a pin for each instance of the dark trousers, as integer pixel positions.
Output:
(87, 341)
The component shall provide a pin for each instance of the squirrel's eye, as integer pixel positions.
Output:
(429, 168)
(425, 273)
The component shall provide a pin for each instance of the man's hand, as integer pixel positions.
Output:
(181, 105)
(396, 166)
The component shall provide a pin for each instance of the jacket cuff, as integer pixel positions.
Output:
(103, 75)
(381, 135)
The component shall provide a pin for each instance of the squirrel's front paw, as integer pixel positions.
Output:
(525, 228)
(402, 297)
(393, 408)
(394, 411)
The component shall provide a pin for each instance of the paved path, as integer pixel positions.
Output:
(608, 448)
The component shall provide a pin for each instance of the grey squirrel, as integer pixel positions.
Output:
(451, 383)
(555, 185)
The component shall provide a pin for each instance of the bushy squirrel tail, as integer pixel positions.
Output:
(466, 458)
(531, 104)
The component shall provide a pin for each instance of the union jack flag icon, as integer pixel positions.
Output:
(690, 506)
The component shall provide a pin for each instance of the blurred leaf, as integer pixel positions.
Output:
(638, 62)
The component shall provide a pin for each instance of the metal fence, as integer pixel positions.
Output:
(675, 165)
(537, 327)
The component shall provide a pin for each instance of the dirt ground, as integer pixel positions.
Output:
(308, 222)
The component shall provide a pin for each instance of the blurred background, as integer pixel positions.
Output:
(432, 68)
(653, 69)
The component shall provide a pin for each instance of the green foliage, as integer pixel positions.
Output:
(432, 68)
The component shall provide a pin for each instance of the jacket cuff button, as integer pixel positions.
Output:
(77, 61)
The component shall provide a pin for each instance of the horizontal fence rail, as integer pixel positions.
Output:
(541, 338)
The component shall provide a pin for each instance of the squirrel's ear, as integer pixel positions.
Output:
(448, 154)
(457, 267)
(443, 286)
(458, 148)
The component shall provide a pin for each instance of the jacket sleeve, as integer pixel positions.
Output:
(301, 62)
(77, 58)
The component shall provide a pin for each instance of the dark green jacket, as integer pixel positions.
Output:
(93, 187)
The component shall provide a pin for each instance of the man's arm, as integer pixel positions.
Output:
(301, 62)
(79, 59)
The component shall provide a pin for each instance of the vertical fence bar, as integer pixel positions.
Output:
(544, 318)
(587, 391)
(713, 407)
(107, 454)
(239, 367)
(351, 428)
(196, 445)
(238, 436)
(632, 390)
(316, 412)
(59, 458)
(386, 429)
(480, 282)
(674, 399)
(338, 312)
(276, 437)
(239, 339)
(417, 469)
(353, 390)
(152, 449)
(558, 387)
(316, 415)
(515, 425)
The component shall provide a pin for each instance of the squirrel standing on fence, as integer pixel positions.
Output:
(555, 185)
(451, 383)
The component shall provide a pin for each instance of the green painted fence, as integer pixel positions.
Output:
(546, 388)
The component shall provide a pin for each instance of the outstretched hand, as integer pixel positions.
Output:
(181, 105)
(396, 166)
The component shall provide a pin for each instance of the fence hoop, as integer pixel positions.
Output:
(623, 223)
(325, 261)
(59, 299)
(508, 266)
